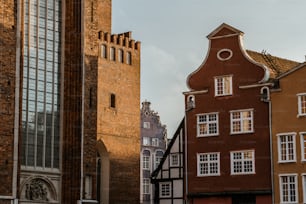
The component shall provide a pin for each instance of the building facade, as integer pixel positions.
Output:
(168, 177)
(153, 147)
(289, 136)
(63, 117)
(227, 125)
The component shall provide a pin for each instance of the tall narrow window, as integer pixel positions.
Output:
(128, 58)
(120, 55)
(103, 51)
(88, 187)
(304, 187)
(158, 158)
(208, 164)
(146, 162)
(146, 186)
(207, 124)
(113, 100)
(302, 104)
(112, 54)
(223, 86)
(243, 162)
(286, 147)
(303, 145)
(241, 121)
(288, 188)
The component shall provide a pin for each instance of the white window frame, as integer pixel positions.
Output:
(203, 120)
(303, 146)
(241, 121)
(146, 141)
(209, 164)
(223, 85)
(146, 162)
(146, 125)
(301, 108)
(157, 159)
(146, 186)
(242, 160)
(165, 189)
(288, 189)
(287, 153)
(304, 187)
(174, 159)
(155, 142)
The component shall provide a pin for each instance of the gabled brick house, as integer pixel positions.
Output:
(227, 125)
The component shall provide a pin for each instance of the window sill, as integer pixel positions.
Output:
(241, 133)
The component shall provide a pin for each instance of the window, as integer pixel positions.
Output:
(146, 125)
(303, 145)
(146, 141)
(241, 121)
(208, 164)
(243, 162)
(302, 104)
(112, 54)
(223, 86)
(207, 124)
(146, 162)
(304, 187)
(88, 186)
(286, 147)
(155, 142)
(158, 158)
(146, 186)
(112, 100)
(103, 51)
(174, 160)
(120, 55)
(288, 188)
(165, 190)
(128, 58)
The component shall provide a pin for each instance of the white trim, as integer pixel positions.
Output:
(255, 85)
(293, 134)
(303, 157)
(243, 172)
(196, 92)
(300, 104)
(207, 122)
(281, 192)
(208, 162)
(304, 186)
(160, 189)
(241, 119)
(225, 50)
(223, 77)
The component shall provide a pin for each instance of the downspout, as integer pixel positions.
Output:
(186, 171)
(271, 147)
(17, 95)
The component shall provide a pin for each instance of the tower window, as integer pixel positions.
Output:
(112, 54)
(128, 58)
(120, 55)
(103, 51)
(113, 100)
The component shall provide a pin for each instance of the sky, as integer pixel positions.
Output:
(174, 43)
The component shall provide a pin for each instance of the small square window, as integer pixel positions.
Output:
(174, 160)
(146, 141)
(165, 190)
(146, 125)
(155, 142)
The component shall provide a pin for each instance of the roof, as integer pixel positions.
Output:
(276, 65)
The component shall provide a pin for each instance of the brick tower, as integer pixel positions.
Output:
(69, 98)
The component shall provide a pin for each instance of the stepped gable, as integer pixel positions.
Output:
(122, 39)
(276, 65)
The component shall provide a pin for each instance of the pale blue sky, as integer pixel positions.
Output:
(174, 44)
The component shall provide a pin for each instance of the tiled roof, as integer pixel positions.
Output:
(276, 65)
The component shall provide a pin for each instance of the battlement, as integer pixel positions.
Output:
(122, 39)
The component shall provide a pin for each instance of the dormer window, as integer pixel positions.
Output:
(223, 86)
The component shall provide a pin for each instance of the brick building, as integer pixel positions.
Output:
(69, 99)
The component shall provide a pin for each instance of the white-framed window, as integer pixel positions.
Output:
(165, 190)
(208, 164)
(286, 147)
(223, 86)
(207, 124)
(146, 162)
(302, 104)
(243, 162)
(174, 160)
(158, 158)
(146, 186)
(304, 187)
(146, 141)
(242, 121)
(155, 142)
(288, 188)
(146, 125)
(303, 145)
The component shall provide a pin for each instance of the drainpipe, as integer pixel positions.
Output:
(271, 148)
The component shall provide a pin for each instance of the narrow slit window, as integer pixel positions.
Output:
(113, 100)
